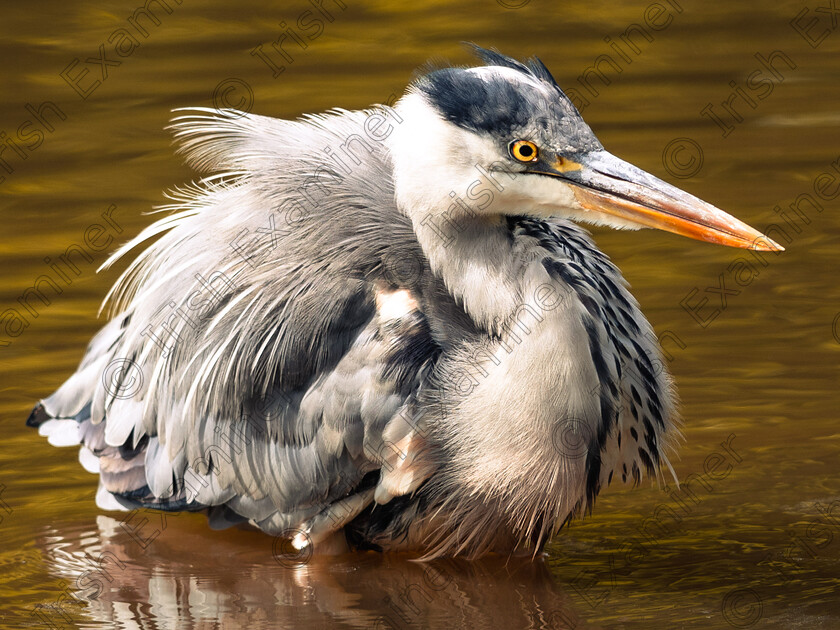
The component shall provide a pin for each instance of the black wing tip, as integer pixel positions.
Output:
(143, 497)
(38, 416)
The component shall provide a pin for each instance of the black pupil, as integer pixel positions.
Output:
(526, 150)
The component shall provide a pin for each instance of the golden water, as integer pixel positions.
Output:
(750, 547)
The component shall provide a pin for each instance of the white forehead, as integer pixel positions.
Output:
(488, 73)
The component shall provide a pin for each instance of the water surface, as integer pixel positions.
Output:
(755, 365)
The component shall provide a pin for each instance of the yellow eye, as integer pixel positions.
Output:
(524, 151)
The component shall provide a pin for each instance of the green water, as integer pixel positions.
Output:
(755, 544)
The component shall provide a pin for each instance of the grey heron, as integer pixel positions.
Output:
(383, 329)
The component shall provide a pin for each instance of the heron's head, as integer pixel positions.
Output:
(504, 139)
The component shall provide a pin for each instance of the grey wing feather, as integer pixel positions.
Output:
(251, 368)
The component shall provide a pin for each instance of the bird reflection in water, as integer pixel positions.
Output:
(175, 573)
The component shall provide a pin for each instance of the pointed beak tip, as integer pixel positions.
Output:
(766, 244)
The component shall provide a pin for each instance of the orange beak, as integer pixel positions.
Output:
(606, 184)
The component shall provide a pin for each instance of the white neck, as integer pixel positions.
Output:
(477, 262)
